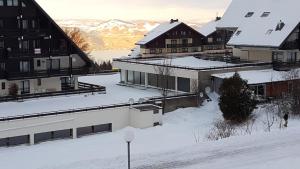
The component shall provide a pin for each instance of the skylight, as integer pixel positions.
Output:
(265, 14)
(280, 26)
(238, 33)
(249, 14)
(269, 31)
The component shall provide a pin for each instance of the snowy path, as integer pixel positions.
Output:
(276, 150)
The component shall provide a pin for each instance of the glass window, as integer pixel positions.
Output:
(1, 2)
(3, 85)
(1, 23)
(38, 63)
(24, 66)
(23, 4)
(130, 78)
(25, 45)
(25, 24)
(9, 2)
(55, 64)
(265, 14)
(2, 66)
(143, 77)
(184, 84)
(39, 82)
(249, 14)
(15, 2)
(25, 87)
(137, 77)
(152, 80)
(1, 44)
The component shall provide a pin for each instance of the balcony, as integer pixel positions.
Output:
(285, 66)
(44, 73)
(180, 45)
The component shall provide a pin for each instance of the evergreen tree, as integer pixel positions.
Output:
(236, 101)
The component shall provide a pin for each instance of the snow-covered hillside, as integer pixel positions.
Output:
(170, 146)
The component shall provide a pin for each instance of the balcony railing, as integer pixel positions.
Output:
(285, 66)
(180, 45)
(44, 73)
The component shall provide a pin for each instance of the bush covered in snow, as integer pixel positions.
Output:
(236, 100)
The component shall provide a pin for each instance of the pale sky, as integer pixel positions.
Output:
(188, 10)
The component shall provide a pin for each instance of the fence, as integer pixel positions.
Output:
(83, 88)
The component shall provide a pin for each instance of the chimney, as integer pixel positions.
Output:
(174, 20)
(218, 18)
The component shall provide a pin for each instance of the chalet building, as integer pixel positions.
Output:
(215, 40)
(35, 53)
(267, 32)
(173, 38)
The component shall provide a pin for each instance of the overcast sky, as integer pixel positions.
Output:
(192, 10)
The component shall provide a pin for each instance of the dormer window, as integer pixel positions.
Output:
(249, 14)
(238, 33)
(265, 14)
(269, 31)
(280, 26)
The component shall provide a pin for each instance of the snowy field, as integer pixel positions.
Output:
(170, 146)
(190, 62)
(115, 95)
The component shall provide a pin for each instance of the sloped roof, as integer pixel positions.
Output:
(261, 31)
(156, 32)
(208, 28)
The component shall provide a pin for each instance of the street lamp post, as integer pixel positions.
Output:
(129, 136)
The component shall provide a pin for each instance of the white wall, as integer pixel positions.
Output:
(119, 117)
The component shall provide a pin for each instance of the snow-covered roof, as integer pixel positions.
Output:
(208, 28)
(189, 62)
(135, 52)
(256, 30)
(156, 32)
(258, 76)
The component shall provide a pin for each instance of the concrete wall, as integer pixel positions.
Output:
(253, 54)
(119, 118)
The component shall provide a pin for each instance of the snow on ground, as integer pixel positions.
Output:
(190, 62)
(115, 95)
(169, 146)
(260, 76)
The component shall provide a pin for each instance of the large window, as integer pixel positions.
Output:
(12, 2)
(24, 66)
(259, 90)
(25, 87)
(1, 44)
(184, 84)
(1, 2)
(152, 80)
(1, 23)
(278, 56)
(130, 77)
(25, 24)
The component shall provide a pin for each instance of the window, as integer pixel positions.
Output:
(15, 2)
(39, 82)
(185, 50)
(280, 26)
(25, 24)
(249, 14)
(24, 66)
(152, 80)
(25, 87)
(269, 31)
(12, 2)
(184, 84)
(33, 24)
(130, 77)
(1, 44)
(9, 2)
(210, 40)
(23, 4)
(1, 2)
(24, 45)
(2, 66)
(38, 63)
(36, 44)
(1, 23)
(3, 85)
(152, 51)
(238, 33)
(265, 14)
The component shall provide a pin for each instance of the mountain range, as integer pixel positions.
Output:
(112, 34)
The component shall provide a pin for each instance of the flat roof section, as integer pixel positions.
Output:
(259, 76)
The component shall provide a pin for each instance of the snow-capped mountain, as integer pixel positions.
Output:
(111, 34)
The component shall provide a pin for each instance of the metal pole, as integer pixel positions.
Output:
(128, 148)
